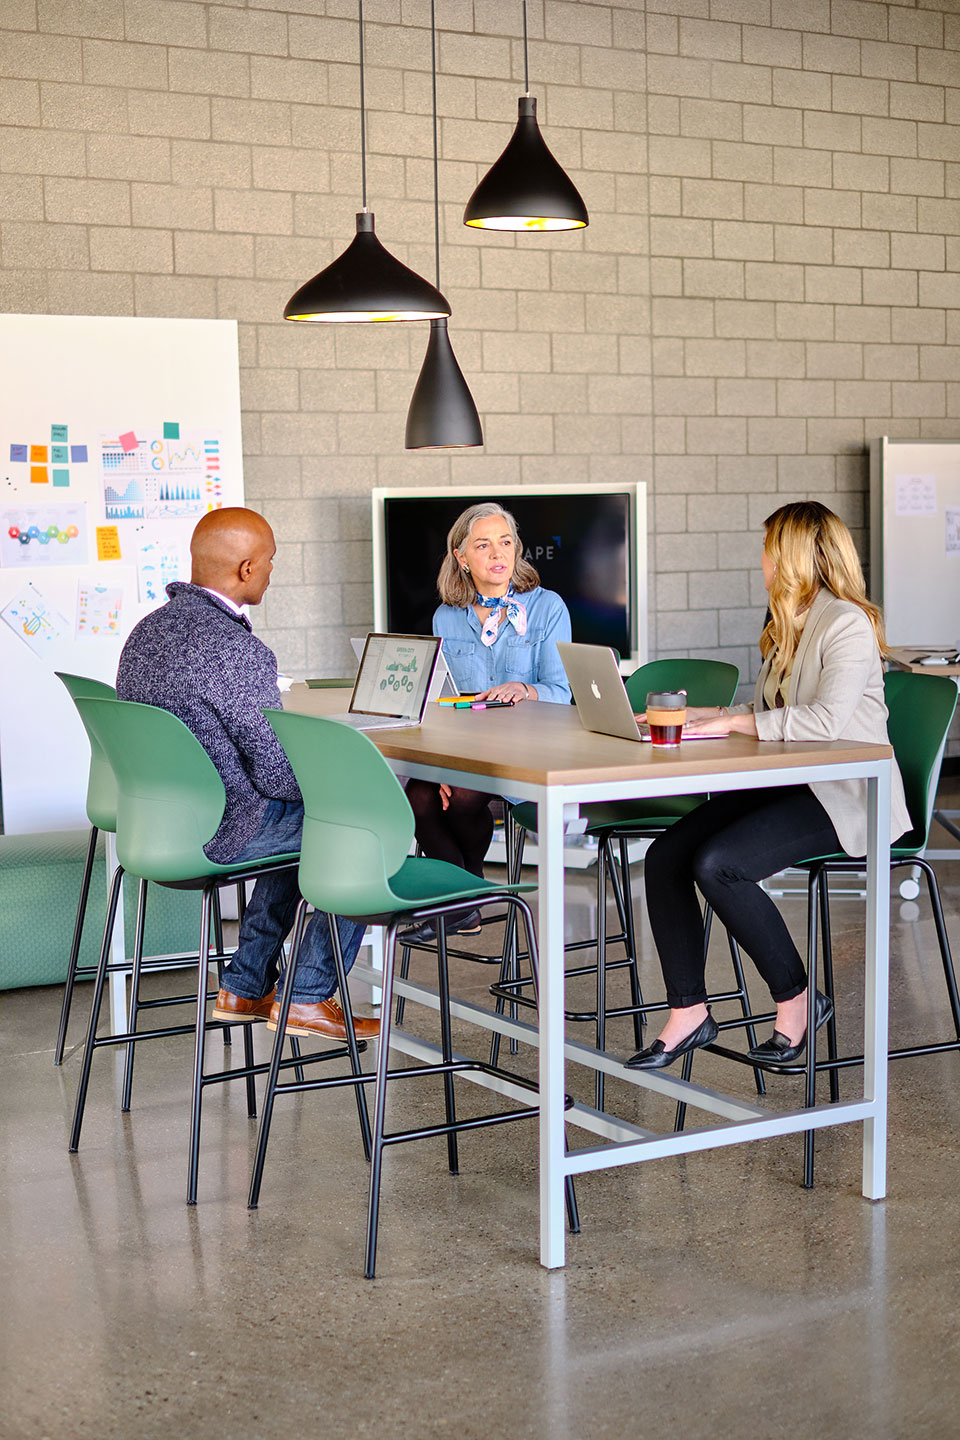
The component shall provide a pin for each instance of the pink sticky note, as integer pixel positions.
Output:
(129, 441)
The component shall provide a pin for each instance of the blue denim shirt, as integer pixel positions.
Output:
(531, 658)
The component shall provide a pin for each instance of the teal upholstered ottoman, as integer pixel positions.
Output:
(39, 888)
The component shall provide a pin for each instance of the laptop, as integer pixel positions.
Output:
(599, 692)
(393, 683)
(442, 685)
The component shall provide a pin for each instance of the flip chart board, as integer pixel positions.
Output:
(116, 436)
(915, 539)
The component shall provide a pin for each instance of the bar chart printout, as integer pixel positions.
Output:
(153, 475)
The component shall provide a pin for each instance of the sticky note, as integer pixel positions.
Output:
(18, 452)
(108, 542)
(38, 454)
(128, 440)
(38, 475)
(78, 454)
(61, 477)
(58, 454)
(171, 430)
(58, 432)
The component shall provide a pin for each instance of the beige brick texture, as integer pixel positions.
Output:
(771, 276)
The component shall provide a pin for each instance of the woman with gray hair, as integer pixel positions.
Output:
(499, 630)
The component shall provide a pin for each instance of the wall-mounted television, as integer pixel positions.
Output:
(588, 542)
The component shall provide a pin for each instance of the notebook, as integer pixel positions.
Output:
(393, 683)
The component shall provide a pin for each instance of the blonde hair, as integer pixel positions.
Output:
(810, 548)
(455, 587)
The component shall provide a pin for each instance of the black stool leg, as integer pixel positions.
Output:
(828, 983)
(75, 947)
(351, 1034)
(446, 1043)
(270, 1094)
(751, 1029)
(630, 930)
(946, 958)
(95, 1010)
(193, 1163)
(510, 963)
(134, 993)
(601, 1030)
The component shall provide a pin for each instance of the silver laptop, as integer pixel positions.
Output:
(393, 683)
(442, 685)
(599, 692)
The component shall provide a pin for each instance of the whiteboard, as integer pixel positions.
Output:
(915, 539)
(116, 435)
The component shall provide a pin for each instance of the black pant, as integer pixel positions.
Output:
(724, 847)
(460, 834)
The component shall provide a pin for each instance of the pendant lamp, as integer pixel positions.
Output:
(366, 282)
(442, 413)
(527, 188)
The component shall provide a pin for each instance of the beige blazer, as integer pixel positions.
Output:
(836, 693)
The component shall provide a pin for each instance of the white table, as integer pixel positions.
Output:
(540, 752)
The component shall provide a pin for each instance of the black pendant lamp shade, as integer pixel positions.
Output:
(527, 188)
(442, 413)
(366, 283)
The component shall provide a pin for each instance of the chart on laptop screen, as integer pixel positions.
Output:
(394, 675)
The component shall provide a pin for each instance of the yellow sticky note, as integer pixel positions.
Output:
(38, 475)
(108, 543)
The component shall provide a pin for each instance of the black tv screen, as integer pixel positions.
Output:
(580, 542)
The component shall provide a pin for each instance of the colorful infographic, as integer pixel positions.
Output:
(98, 610)
(160, 474)
(43, 535)
(37, 623)
(159, 563)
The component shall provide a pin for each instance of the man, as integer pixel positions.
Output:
(197, 657)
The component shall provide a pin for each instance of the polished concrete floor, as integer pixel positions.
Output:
(707, 1296)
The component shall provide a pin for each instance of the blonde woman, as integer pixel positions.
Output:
(499, 630)
(821, 679)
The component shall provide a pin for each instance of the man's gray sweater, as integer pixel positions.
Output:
(197, 659)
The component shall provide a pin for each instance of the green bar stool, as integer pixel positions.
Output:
(101, 807)
(355, 861)
(170, 802)
(614, 824)
(920, 708)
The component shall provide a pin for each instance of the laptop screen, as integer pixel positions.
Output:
(394, 675)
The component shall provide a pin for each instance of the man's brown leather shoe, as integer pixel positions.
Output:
(325, 1018)
(235, 1007)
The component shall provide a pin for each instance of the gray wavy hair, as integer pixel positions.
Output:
(454, 586)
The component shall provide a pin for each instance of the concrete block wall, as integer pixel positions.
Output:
(771, 275)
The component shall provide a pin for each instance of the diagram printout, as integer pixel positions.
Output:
(155, 475)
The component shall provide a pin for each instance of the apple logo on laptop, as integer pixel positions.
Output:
(596, 689)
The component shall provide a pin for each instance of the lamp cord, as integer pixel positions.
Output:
(526, 61)
(436, 160)
(363, 117)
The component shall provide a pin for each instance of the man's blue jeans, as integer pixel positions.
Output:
(253, 969)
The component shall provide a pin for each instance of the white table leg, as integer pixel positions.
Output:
(118, 950)
(877, 996)
(550, 925)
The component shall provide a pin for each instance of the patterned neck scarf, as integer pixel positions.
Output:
(516, 614)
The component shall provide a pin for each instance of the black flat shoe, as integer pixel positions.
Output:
(658, 1057)
(778, 1050)
(426, 932)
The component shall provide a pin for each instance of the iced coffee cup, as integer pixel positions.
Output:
(666, 714)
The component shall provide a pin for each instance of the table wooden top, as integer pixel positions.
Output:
(544, 744)
(904, 656)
